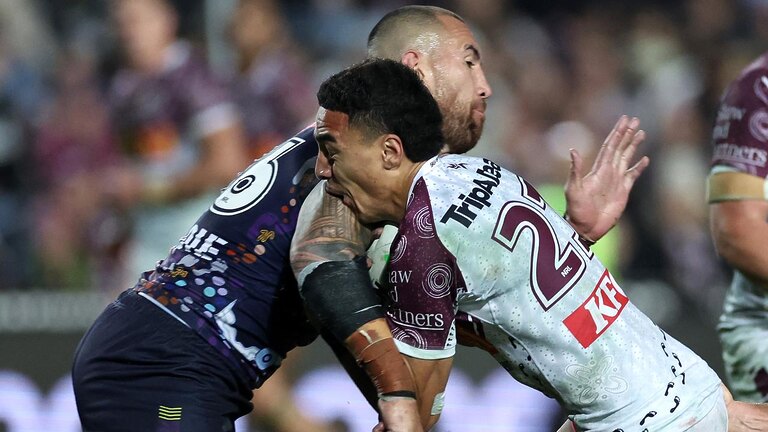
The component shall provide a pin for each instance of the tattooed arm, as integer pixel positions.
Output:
(340, 299)
(327, 231)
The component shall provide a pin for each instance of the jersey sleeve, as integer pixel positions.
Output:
(740, 139)
(421, 285)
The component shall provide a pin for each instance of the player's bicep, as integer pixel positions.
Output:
(431, 377)
(326, 230)
(740, 232)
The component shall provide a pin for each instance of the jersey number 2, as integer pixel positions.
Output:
(553, 269)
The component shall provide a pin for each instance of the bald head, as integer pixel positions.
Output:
(405, 28)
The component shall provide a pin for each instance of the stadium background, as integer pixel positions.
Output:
(562, 72)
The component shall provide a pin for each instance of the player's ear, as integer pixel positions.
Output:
(392, 152)
(412, 59)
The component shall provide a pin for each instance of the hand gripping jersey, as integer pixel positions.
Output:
(229, 279)
(477, 241)
(739, 171)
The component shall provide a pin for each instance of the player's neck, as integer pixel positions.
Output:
(409, 173)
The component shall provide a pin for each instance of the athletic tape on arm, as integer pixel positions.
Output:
(338, 295)
(734, 186)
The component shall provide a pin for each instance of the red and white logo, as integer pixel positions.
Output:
(598, 312)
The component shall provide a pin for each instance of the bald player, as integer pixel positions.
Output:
(439, 46)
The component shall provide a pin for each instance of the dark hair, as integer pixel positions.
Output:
(384, 96)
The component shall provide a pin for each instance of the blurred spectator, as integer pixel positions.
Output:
(24, 50)
(178, 129)
(74, 231)
(271, 87)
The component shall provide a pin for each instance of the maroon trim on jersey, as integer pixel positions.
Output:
(740, 135)
(423, 279)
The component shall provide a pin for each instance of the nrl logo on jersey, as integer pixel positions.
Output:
(478, 198)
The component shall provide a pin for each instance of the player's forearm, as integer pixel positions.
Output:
(373, 346)
(430, 378)
(749, 256)
(353, 369)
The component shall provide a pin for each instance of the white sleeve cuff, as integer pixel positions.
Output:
(424, 354)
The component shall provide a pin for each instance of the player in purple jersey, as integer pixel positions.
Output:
(228, 285)
(738, 197)
(477, 239)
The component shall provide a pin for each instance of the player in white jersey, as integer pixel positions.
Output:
(476, 241)
(479, 240)
(738, 197)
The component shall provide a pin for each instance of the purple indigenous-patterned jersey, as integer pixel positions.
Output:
(477, 240)
(229, 279)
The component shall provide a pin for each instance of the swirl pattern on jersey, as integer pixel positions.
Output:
(438, 280)
(399, 250)
(422, 223)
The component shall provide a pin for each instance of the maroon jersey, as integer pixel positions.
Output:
(740, 136)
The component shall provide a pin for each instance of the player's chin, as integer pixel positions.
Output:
(363, 217)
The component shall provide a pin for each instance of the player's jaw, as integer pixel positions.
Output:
(334, 189)
(462, 125)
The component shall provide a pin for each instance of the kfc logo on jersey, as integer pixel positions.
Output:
(598, 312)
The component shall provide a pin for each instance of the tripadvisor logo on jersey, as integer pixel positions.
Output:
(478, 198)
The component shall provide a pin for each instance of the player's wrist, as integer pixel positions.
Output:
(397, 395)
(376, 352)
(584, 238)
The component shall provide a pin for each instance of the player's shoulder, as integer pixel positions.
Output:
(450, 175)
(751, 86)
(301, 143)
(461, 187)
(460, 168)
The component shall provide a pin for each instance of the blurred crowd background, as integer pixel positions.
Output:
(72, 140)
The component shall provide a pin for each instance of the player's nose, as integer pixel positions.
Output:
(322, 167)
(483, 87)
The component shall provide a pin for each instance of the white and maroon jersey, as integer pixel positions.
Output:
(479, 244)
(740, 140)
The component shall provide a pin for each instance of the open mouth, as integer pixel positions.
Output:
(345, 198)
(333, 192)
